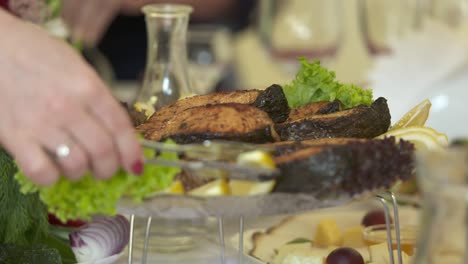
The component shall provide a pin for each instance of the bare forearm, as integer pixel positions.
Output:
(203, 10)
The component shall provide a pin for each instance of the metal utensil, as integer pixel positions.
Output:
(213, 155)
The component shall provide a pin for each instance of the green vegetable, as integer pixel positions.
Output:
(314, 83)
(37, 254)
(52, 241)
(155, 178)
(24, 230)
(23, 218)
(89, 196)
(299, 241)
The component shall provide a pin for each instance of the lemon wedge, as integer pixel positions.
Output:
(417, 116)
(256, 158)
(176, 188)
(215, 188)
(421, 137)
(239, 187)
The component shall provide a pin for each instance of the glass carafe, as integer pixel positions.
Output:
(443, 179)
(166, 76)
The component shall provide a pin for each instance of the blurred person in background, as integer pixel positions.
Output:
(124, 44)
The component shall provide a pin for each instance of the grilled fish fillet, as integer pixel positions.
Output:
(344, 165)
(316, 108)
(235, 122)
(159, 119)
(357, 122)
(271, 100)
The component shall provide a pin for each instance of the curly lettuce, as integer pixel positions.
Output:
(89, 196)
(314, 83)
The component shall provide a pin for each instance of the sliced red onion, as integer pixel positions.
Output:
(101, 238)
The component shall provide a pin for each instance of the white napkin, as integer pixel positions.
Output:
(431, 63)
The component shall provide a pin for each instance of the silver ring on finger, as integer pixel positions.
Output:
(62, 151)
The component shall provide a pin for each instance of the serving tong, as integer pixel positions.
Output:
(213, 159)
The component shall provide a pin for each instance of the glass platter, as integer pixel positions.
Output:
(192, 207)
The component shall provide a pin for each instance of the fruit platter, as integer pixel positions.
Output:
(345, 234)
(310, 144)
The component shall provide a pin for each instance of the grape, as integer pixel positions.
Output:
(376, 217)
(344, 255)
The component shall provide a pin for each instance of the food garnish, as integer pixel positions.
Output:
(23, 218)
(25, 233)
(214, 188)
(176, 188)
(299, 241)
(244, 188)
(374, 217)
(102, 238)
(344, 255)
(256, 158)
(334, 244)
(314, 83)
(89, 196)
(328, 233)
(421, 137)
(417, 116)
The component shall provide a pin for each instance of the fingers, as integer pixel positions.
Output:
(32, 159)
(84, 28)
(88, 19)
(112, 116)
(75, 164)
(99, 146)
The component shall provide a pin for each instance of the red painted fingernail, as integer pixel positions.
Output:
(137, 167)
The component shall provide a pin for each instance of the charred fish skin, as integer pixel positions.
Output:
(357, 122)
(259, 136)
(285, 147)
(314, 108)
(331, 107)
(274, 102)
(234, 122)
(352, 168)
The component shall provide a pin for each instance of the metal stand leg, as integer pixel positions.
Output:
(241, 239)
(397, 226)
(389, 227)
(147, 235)
(130, 241)
(221, 239)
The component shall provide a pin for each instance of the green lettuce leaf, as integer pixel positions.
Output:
(314, 83)
(90, 196)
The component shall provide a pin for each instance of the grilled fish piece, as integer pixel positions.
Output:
(274, 102)
(159, 119)
(235, 122)
(315, 108)
(357, 122)
(286, 147)
(353, 167)
(271, 100)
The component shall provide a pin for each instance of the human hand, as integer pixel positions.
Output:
(50, 97)
(89, 19)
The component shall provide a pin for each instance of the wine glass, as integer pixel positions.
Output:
(293, 28)
(382, 21)
(453, 13)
